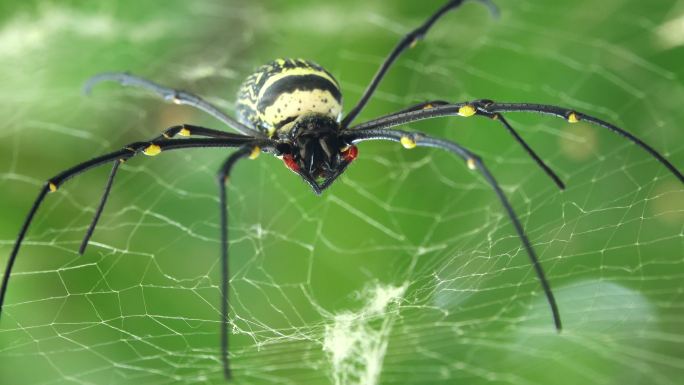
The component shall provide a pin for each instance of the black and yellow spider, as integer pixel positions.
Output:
(292, 109)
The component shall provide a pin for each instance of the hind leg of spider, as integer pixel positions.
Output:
(411, 139)
(131, 150)
(182, 130)
(409, 40)
(169, 94)
(222, 179)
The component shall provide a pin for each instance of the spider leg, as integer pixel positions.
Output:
(100, 207)
(422, 106)
(131, 150)
(222, 179)
(556, 179)
(175, 96)
(183, 130)
(498, 117)
(410, 140)
(488, 108)
(575, 117)
(406, 42)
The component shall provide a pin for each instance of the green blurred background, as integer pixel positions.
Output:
(407, 271)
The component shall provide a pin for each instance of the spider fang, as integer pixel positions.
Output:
(407, 142)
(152, 150)
(255, 152)
(467, 111)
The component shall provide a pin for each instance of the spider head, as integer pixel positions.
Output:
(314, 150)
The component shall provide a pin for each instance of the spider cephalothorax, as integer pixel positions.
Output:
(312, 148)
(291, 108)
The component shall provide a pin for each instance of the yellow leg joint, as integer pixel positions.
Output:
(408, 142)
(152, 150)
(467, 111)
(52, 187)
(184, 132)
(573, 118)
(471, 164)
(256, 151)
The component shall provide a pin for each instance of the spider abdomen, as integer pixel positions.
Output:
(279, 92)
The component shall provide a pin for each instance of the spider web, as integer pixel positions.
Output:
(408, 270)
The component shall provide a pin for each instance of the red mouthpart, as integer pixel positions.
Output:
(290, 162)
(351, 153)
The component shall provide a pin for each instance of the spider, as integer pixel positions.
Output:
(292, 109)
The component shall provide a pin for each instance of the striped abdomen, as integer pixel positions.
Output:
(278, 92)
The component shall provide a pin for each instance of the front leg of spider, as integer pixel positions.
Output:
(129, 151)
(172, 95)
(412, 140)
(185, 130)
(408, 41)
(467, 110)
(378, 129)
(493, 109)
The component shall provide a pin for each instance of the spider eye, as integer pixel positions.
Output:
(350, 153)
(290, 162)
